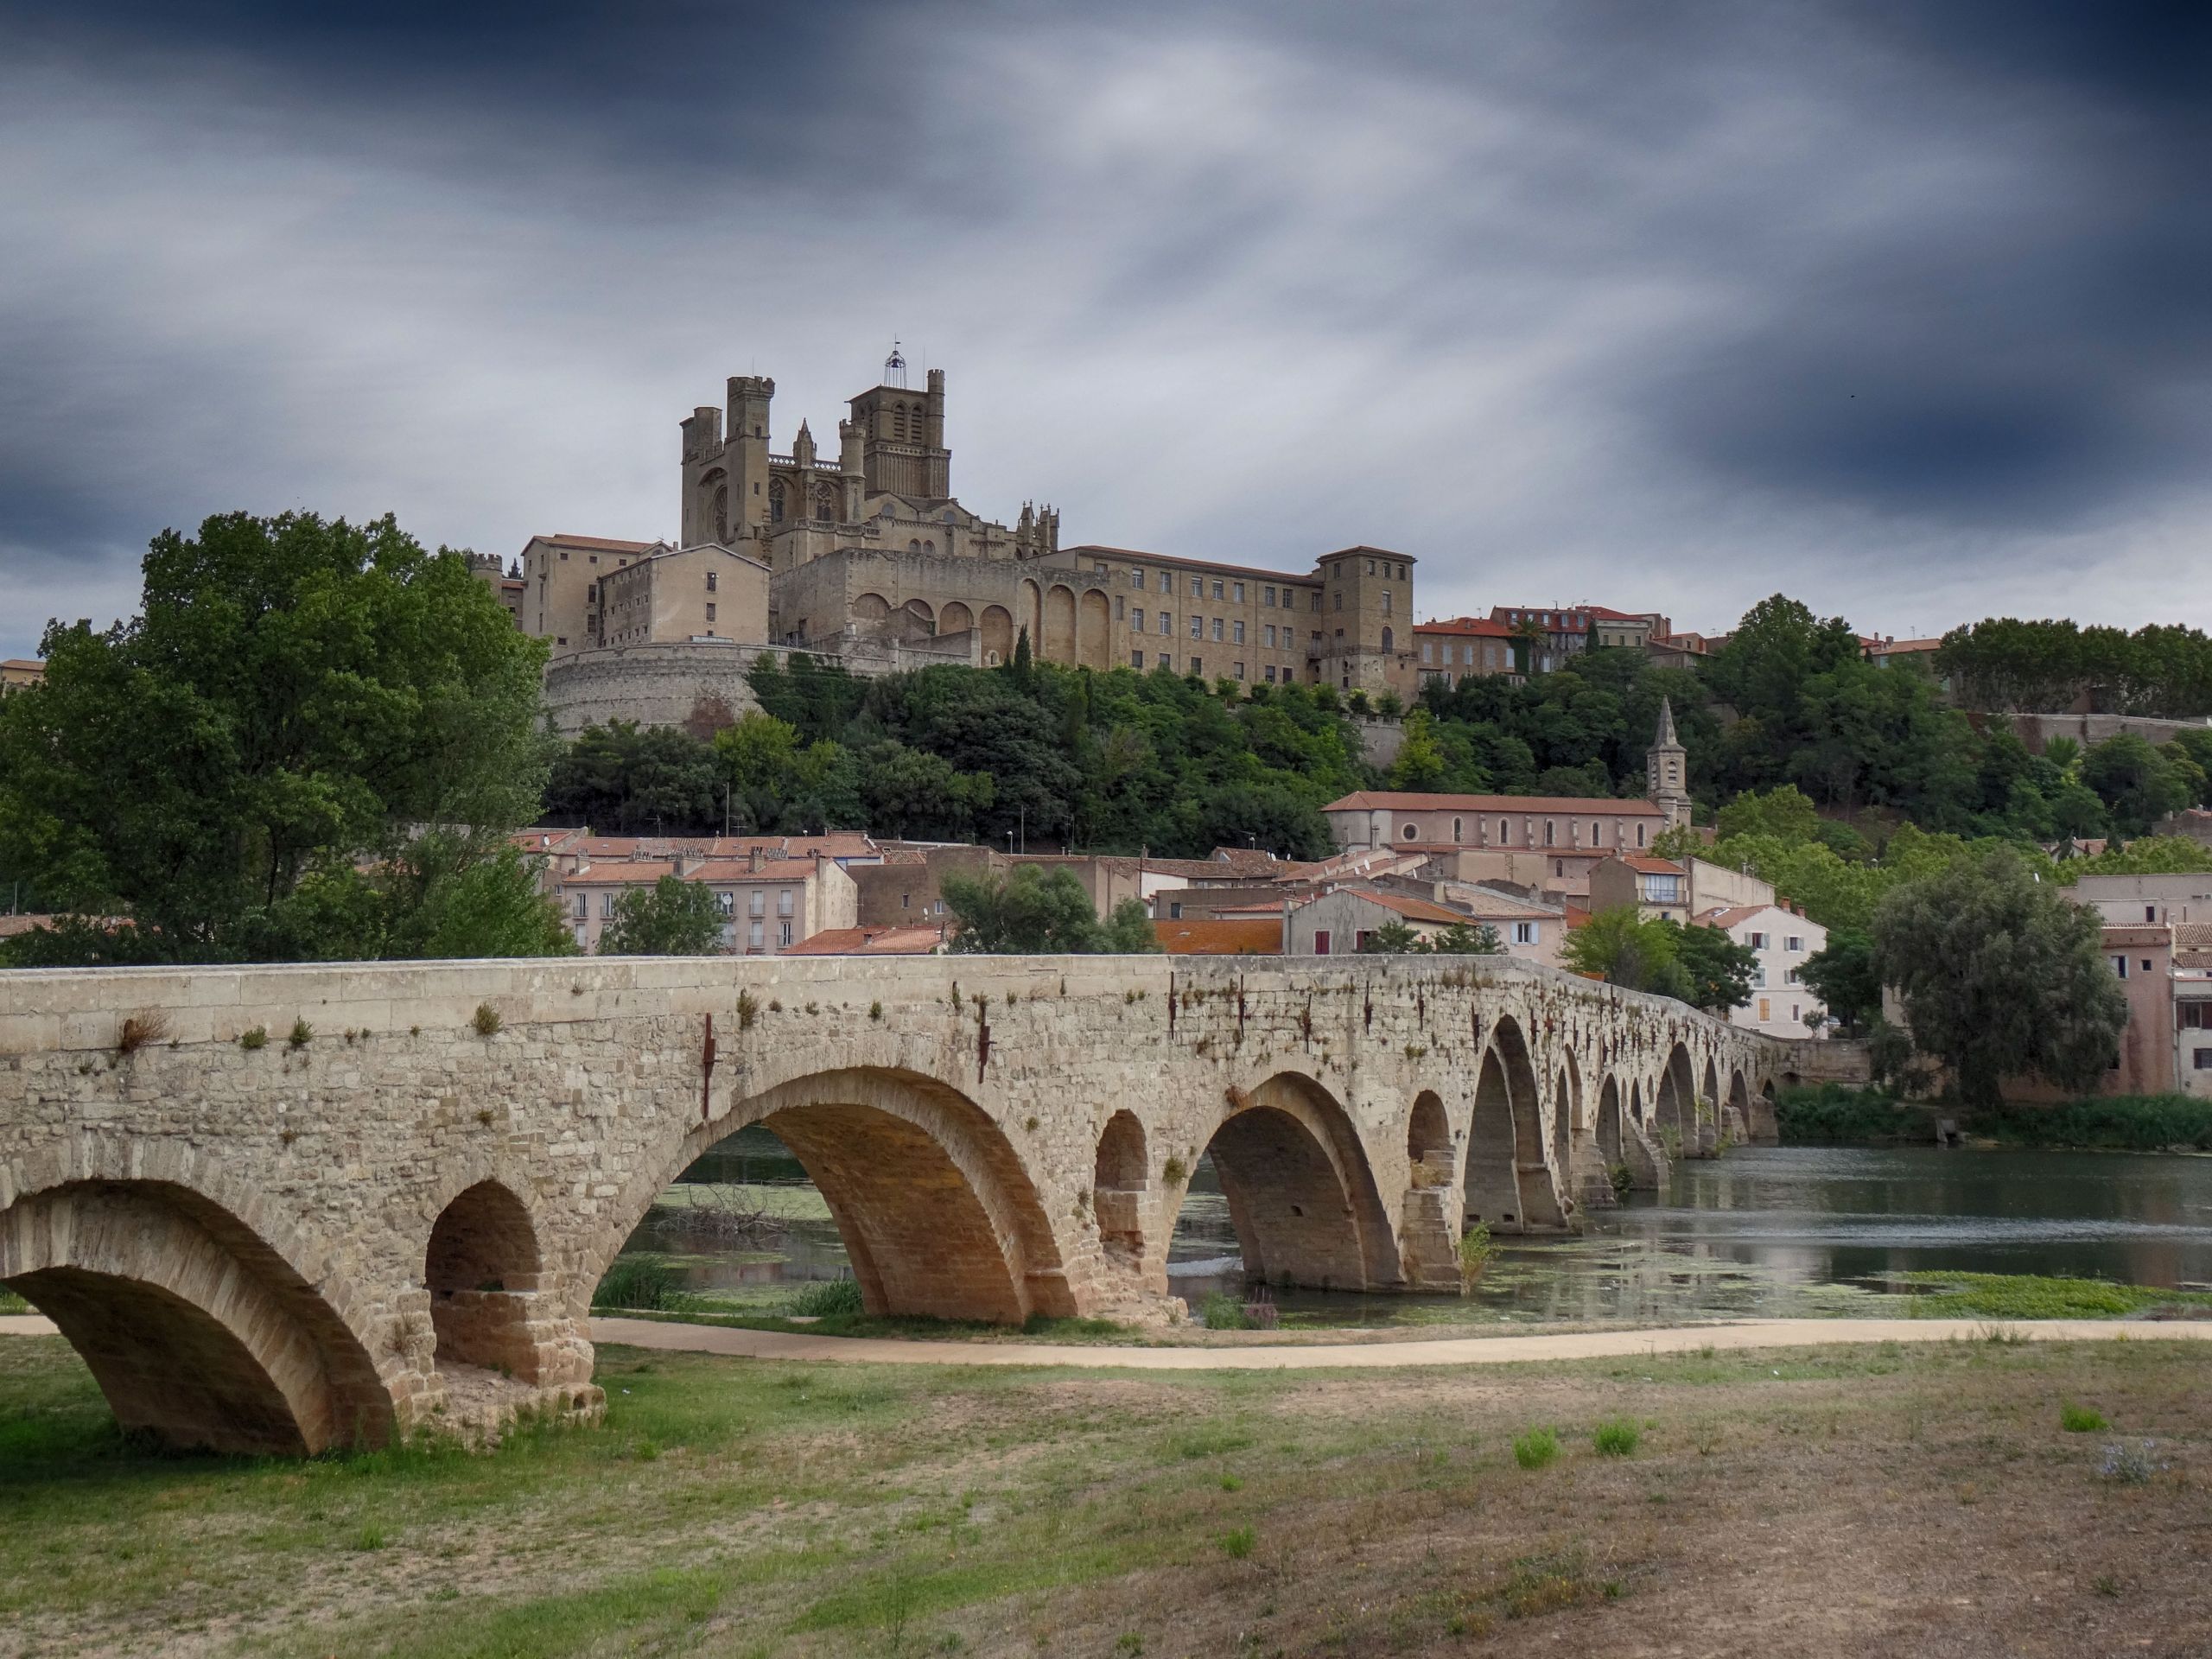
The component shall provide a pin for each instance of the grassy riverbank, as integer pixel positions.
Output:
(1831, 1115)
(1810, 1503)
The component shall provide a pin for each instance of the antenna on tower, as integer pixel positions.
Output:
(894, 367)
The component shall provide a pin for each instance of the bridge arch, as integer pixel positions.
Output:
(1301, 1195)
(1121, 1179)
(1609, 1123)
(194, 1326)
(938, 1216)
(1509, 1185)
(1428, 1129)
(1737, 1118)
(1674, 1105)
(483, 1270)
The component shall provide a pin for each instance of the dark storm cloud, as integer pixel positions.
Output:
(1899, 306)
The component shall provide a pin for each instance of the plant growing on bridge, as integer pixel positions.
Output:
(257, 1038)
(141, 1030)
(669, 918)
(301, 1034)
(486, 1019)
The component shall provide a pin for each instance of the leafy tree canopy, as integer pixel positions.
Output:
(313, 742)
(2001, 975)
(1039, 911)
(1843, 975)
(672, 917)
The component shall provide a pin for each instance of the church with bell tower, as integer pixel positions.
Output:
(1666, 770)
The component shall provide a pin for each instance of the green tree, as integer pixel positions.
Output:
(1719, 970)
(1783, 812)
(2138, 784)
(1039, 911)
(672, 917)
(1393, 938)
(1461, 940)
(2001, 976)
(1843, 975)
(245, 770)
(1421, 764)
(1621, 948)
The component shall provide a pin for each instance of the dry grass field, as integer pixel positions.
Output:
(1913, 1501)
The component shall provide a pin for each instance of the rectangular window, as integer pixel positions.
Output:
(728, 903)
(1236, 630)
(1161, 658)
(1429, 650)
(1268, 597)
(1340, 599)
(1136, 659)
(1524, 933)
(1217, 627)
(2120, 966)
(1639, 835)
(2150, 912)
(1198, 628)
(1136, 621)
(1197, 665)
(753, 935)
(1167, 622)
(606, 905)
(1197, 588)
(1316, 605)
(1271, 673)
(1794, 942)
(1237, 671)
(1321, 949)
(1360, 936)
(1271, 636)
(583, 899)
(2192, 1016)
(1756, 941)
(2204, 1059)
(1120, 607)
(1550, 839)
(1136, 579)
(1216, 590)
(1386, 601)
(710, 581)
(784, 902)
(1370, 567)
(756, 902)
(786, 931)
(1765, 1011)
(710, 610)
(1236, 592)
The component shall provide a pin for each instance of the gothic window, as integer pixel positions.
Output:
(775, 500)
(930, 546)
(722, 512)
(825, 503)
(914, 546)
(1386, 638)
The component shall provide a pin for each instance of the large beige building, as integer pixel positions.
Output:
(868, 548)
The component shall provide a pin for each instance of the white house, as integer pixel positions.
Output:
(1780, 940)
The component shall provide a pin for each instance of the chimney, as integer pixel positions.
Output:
(754, 857)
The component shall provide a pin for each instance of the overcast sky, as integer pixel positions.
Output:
(1906, 310)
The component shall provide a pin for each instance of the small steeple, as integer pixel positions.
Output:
(1666, 769)
(803, 447)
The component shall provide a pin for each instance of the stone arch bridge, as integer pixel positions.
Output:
(280, 1209)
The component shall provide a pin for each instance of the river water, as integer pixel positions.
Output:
(1779, 1230)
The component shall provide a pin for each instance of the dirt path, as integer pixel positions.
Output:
(1449, 1351)
(1452, 1350)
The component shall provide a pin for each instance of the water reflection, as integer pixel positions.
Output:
(1794, 1230)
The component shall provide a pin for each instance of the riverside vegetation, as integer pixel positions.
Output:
(1803, 1502)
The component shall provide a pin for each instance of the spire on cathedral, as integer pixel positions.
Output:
(1666, 739)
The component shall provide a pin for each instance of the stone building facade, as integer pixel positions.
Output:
(866, 556)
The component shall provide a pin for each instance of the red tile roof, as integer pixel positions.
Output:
(1380, 800)
(1479, 627)
(1650, 866)
(901, 941)
(1220, 938)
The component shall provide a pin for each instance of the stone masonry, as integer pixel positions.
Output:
(399, 1219)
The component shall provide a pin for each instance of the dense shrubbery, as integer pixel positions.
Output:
(2116, 1124)
(1830, 1114)
(1833, 1115)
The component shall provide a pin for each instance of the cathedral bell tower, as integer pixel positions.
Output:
(1666, 770)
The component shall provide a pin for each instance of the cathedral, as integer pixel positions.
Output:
(866, 555)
